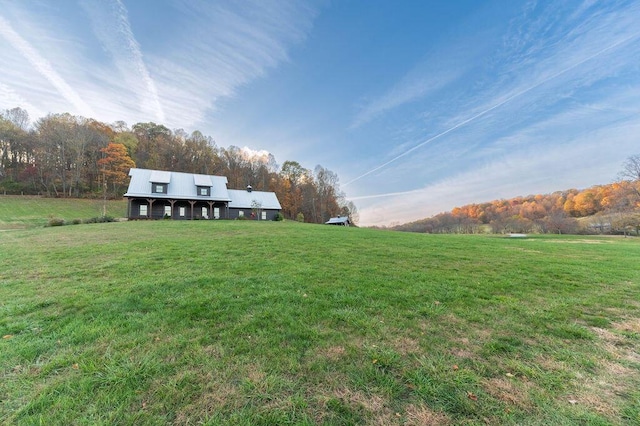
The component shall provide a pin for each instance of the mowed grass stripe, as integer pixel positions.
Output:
(243, 322)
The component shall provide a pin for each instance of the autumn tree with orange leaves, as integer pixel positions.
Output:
(114, 167)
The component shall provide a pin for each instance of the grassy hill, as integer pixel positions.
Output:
(19, 212)
(243, 322)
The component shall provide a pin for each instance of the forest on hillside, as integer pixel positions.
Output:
(603, 209)
(62, 155)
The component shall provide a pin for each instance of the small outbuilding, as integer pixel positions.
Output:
(340, 221)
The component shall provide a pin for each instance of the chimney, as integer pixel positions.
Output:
(249, 188)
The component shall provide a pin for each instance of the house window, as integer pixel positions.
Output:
(167, 211)
(264, 215)
(205, 213)
(204, 190)
(240, 213)
(182, 211)
(159, 188)
(216, 212)
(143, 209)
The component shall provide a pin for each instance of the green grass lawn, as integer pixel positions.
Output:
(20, 212)
(249, 323)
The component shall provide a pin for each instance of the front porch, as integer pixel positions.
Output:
(154, 208)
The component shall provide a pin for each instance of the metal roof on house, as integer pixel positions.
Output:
(243, 199)
(202, 180)
(180, 186)
(159, 176)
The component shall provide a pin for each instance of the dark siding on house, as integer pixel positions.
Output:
(235, 213)
(159, 209)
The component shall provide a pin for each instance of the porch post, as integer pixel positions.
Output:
(150, 201)
(192, 203)
(172, 202)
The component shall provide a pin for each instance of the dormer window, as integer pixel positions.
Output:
(159, 181)
(159, 188)
(203, 185)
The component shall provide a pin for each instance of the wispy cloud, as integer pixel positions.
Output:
(110, 22)
(44, 67)
(112, 67)
(440, 68)
(500, 102)
(540, 66)
(13, 99)
(224, 47)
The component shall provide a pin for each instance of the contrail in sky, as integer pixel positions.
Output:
(44, 67)
(389, 194)
(133, 48)
(488, 110)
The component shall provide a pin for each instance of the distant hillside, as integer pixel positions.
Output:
(612, 208)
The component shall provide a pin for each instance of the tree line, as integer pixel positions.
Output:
(62, 155)
(605, 209)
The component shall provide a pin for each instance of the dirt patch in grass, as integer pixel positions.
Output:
(372, 403)
(213, 351)
(462, 353)
(379, 412)
(375, 408)
(466, 339)
(406, 346)
(332, 353)
(208, 403)
(464, 348)
(11, 227)
(550, 364)
(632, 325)
(421, 415)
(524, 250)
(617, 345)
(599, 392)
(604, 391)
(619, 316)
(512, 391)
(581, 241)
(256, 376)
(216, 395)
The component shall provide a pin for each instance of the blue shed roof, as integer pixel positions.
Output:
(338, 220)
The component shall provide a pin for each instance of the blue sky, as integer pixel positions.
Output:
(418, 106)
